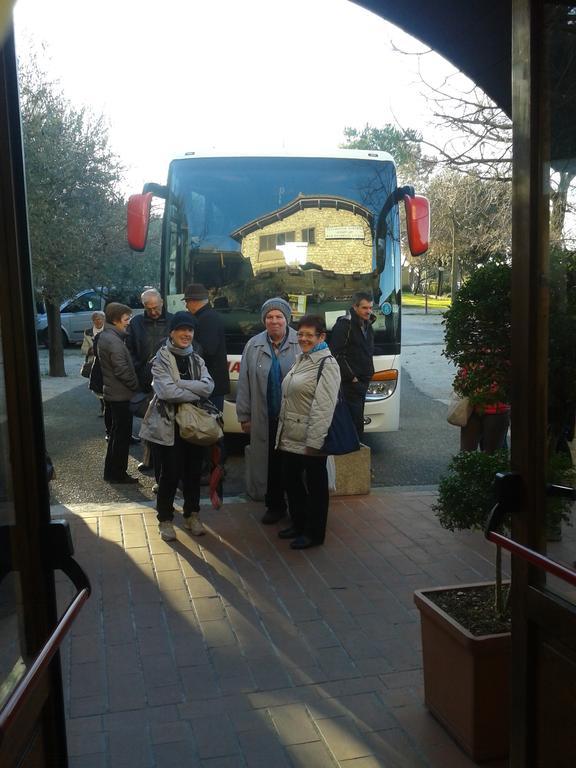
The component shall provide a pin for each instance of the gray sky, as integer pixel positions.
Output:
(179, 75)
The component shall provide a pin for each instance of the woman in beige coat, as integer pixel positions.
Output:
(309, 394)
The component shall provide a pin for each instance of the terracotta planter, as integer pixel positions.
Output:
(466, 680)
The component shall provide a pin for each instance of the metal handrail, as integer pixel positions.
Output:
(26, 685)
(509, 493)
(59, 542)
(540, 561)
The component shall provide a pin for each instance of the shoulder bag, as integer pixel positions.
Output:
(199, 423)
(86, 367)
(459, 410)
(342, 436)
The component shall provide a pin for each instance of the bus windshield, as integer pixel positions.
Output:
(313, 230)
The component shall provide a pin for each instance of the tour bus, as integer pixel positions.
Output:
(313, 229)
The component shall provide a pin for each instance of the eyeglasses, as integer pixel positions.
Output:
(308, 335)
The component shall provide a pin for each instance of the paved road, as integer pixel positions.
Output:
(415, 456)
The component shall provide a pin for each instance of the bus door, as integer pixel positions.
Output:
(32, 726)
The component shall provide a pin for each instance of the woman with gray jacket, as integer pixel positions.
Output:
(179, 375)
(266, 360)
(309, 395)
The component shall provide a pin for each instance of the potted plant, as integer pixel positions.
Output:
(466, 628)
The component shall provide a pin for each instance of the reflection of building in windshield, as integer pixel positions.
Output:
(315, 252)
(326, 232)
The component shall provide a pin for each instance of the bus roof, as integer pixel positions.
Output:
(354, 154)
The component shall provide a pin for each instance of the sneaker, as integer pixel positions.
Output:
(194, 525)
(167, 532)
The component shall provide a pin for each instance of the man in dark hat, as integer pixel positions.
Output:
(211, 340)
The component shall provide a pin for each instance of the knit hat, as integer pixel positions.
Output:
(276, 303)
(196, 292)
(183, 320)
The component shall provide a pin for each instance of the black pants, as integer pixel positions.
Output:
(179, 462)
(485, 431)
(107, 417)
(306, 481)
(116, 462)
(355, 396)
(274, 498)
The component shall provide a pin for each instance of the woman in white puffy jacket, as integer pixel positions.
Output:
(309, 395)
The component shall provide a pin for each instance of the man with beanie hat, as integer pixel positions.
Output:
(266, 359)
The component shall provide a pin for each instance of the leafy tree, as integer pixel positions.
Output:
(405, 146)
(72, 184)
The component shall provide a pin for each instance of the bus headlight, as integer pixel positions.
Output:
(383, 385)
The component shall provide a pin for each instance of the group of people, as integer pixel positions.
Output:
(287, 391)
(132, 359)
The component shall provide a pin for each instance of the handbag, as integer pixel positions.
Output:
(342, 436)
(199, 424)
(86, 366)
(459, 410)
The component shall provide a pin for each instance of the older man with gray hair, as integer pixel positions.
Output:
(144, 337)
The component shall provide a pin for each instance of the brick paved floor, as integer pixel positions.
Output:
(234, 650)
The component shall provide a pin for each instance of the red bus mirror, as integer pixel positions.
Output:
(138, 220)
(417, 223)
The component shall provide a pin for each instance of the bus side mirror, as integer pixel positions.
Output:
(138, 220)
(417, 223)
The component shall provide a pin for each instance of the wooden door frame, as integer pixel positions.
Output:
(25, 418)
(532, 609)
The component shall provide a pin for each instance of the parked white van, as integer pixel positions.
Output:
(76, 313)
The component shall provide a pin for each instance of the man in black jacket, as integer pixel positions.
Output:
(144, 337)
(211, 340)
(146, 334)
(352, 344)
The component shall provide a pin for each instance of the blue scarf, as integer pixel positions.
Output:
(274, 388)
(319, 346)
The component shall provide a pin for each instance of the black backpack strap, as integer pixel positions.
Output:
(321, 367)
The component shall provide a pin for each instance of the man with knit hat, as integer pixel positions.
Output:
(266, 359)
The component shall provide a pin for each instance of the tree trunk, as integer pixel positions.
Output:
(455, 265)
(55, 348)
(559, 200)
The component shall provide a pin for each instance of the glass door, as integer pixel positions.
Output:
(544, 380)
